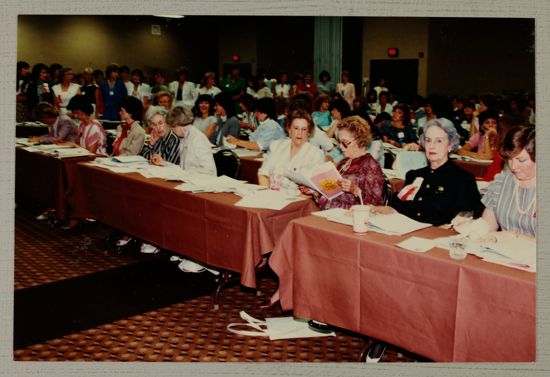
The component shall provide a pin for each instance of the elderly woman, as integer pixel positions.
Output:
(268, 130)
(204, 119)
(163, 141)
(194, 148)
(483, 144)
(362, 177)
(61, 128)
(131, 135)
(436, 193)
(511, 200)
(227, 122)
(291, 154)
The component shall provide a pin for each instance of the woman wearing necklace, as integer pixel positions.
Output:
(112, 91)
(131, 135)
(511, 200)
(436, 193)
(363, 180)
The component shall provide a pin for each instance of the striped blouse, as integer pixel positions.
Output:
(91, 134)
(515, 207)
(167, 147)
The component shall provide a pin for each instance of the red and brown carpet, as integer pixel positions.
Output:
(78, 300)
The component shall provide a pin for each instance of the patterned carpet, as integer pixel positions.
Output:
(48, 259)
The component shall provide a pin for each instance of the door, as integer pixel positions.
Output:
(401, 76)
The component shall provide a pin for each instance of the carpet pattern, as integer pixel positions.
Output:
(188, 330)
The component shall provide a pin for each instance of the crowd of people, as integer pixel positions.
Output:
(299, 125)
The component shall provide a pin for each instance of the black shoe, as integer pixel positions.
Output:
(319, 326)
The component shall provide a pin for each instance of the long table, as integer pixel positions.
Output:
(206, 227)
(44, 179)
(427, 303)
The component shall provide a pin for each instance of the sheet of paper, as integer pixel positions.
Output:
(24, 141)
(417, 244)
(243, 152)
(501, 248)
(395, 223)
(269, 199)
(129, 159)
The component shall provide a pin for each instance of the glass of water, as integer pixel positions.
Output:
(457, 248)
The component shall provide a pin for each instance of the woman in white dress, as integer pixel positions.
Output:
(292, 154)
(346, 89)
(65, 90)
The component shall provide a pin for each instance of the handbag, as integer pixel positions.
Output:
(275, 328)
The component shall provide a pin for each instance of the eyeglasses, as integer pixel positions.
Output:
(345, 144)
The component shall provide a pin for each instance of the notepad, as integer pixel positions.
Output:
(129, 159)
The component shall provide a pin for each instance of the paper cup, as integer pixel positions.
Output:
(360, 215)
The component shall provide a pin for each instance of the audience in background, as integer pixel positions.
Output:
(185, 92)
(203, 112)
(346, 88)
(65, 90)
(112, 90)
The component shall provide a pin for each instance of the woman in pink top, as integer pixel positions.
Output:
(92, 134)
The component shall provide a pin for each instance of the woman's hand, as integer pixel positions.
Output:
(348, 185)
(384, 210)
(232, 139)
(413, 147)
(156, 159)
(307, 191)
(154, 137)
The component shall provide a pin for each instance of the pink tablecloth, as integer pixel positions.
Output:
(206, 227)
(427, 303)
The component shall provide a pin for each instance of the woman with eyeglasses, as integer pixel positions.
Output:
(362, 177)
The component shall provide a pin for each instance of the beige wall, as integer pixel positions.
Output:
(411, 39)
(95, 41)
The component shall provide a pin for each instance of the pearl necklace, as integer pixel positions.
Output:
(518, 204)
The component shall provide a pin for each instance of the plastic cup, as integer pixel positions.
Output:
(457, 249)
(361, 214)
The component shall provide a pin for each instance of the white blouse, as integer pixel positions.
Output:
(278, 161)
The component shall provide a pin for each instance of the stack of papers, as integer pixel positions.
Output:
(501, 248)
(59, 151)
(394, 224)
(242, 152)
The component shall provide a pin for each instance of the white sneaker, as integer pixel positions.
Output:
(44, 215)
(375, 353)
(189, 266)
(148, 249)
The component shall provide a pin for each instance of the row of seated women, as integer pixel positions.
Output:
(435, 194)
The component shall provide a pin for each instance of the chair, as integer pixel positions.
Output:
(387, 192)
(227, 163)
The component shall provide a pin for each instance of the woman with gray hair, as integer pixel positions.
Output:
(163, 142)
(194, 148)
(436, 193)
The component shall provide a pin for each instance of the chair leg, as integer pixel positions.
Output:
(222, 280)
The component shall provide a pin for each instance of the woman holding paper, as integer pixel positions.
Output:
(195, 149)
(290, 155)
(438, 192)
(362, 178)
(511, 201)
